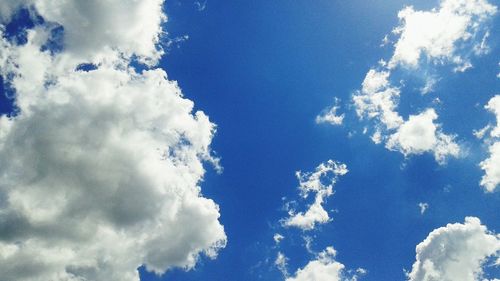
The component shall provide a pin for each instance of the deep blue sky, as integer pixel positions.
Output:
(262, 71)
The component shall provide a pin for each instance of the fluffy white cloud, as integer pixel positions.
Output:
(378, 99)
(278, 237)
(491, 165)
(320, 182)
(325, 268)
(448, 34)
(100, 170)
(439, 34)
(96, 30)
(330, 115)
(455, 252)
(494, 107)
(420, 134)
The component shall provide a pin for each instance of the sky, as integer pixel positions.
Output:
(250, 140)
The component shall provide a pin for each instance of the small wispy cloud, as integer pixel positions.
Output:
(201, 5)
(423, 207)
(330, 115)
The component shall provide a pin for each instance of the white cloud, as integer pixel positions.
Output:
(281, 262)
(423, 207)
(320, 182)
(330, 115)
(494, 107)
(430, 83)
(491, 165)
(278, 237)
(201, 5)
(377, 137)
(456, 252)
(439, 34)
(448, 34)
(325, 268)
(482, 48)
(482, 132)
(308, 243)
(420, 134)
(378, 99)
(95, 30)
(385, 41)
(100, 170)
(8, 7)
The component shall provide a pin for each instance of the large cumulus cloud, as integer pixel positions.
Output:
(100, 170)
(455, 252)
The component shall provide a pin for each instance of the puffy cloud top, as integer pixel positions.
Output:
(420, 134)
(448, 34)
(455, 252)
(322, 269)
(95, 30)
(437, 34)
(325, 268)
(100, 169)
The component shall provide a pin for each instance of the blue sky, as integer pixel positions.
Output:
(262, 71)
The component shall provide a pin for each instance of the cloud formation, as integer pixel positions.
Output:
(95, 30)
(456, 252)
(438, 35)
(281, 262)
(378, 99)
(100, 169)
(323, 265)
(491, 165)
(423, 207)
(331, 116)
(420, 134)
(325, 268)
(447, 35)
(320, 182)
